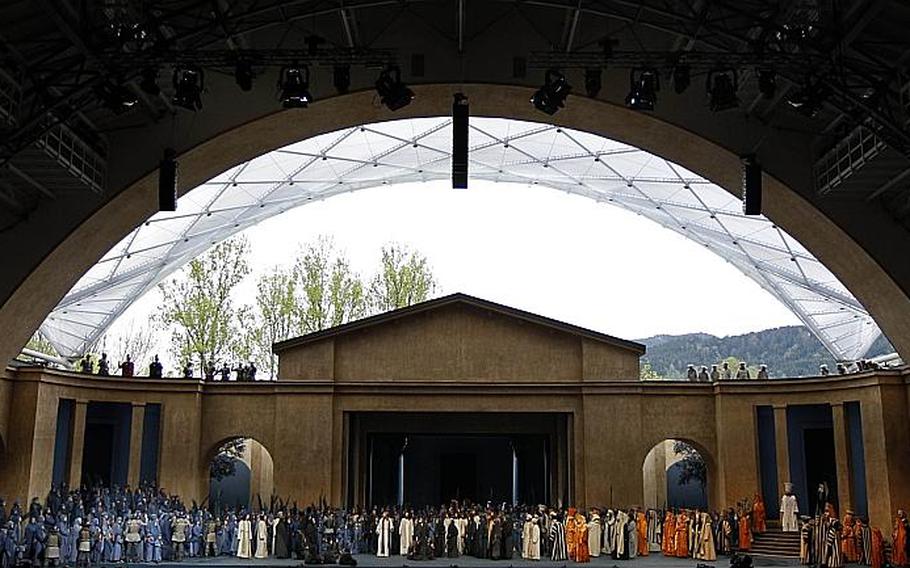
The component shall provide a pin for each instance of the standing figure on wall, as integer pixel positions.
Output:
(758, 515)
(245, 538)
(789, 510)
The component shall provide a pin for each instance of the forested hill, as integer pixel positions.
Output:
(788, 351)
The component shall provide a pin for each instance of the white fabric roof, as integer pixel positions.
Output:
(502, 150)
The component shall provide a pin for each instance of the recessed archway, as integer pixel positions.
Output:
(241, 475)
(675, 474)
(856, 269)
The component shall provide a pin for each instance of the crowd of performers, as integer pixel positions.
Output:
(110, 525)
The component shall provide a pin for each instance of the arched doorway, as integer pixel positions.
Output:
(241, 475)
(675, 475)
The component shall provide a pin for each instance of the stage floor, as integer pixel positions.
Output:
(370, 561)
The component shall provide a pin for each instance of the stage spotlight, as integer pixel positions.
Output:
(767, 82)
(294, 83)
(243, 75)
(808, 99)
(167, 181)
(682, 77)
(189, 83)
(392, 92)
(722, 86)
(116, 97)
(752, 185)
(644, 83)
(460, 118)
(341, 78)
(593, 82)
(552, 95)
(149, 82)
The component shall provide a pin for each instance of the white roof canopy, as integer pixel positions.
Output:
(503, 150)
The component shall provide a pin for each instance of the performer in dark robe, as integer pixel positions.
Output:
(508, 542)
(439, 537)
(452, 540)
(281, 549)
(470, 538)
(495, 544)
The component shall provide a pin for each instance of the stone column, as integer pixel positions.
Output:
(782, 446)
(77, 444)
(842, 457)
(136, 431)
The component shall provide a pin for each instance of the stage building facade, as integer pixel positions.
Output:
(459, 397)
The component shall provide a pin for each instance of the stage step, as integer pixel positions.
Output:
(776, 543)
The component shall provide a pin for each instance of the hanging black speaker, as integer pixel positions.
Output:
(460, 142)
(167, 181)
(751, 186)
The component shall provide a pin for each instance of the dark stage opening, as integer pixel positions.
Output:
(98, 454)
(821, 465)
(426, 459)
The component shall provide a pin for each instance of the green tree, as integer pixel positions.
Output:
(328, 291)
(405, 278)
(276, 311)
(197, 304)
(646, 373)
(40, 344)
(694, 468)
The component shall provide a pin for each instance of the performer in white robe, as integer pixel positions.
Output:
(384, 535)
(462, 524)
(244, 538)
(595, 534)
(609, 532)
(526, 538)
(706, 549)
(534, 537)
(789, 510)
(262, 538)
(405, 534)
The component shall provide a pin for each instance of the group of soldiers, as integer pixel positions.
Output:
(210, 372)
(724, 373)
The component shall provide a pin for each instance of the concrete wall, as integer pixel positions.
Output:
(613, 425)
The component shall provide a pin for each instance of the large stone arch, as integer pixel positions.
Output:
(57, 272)
(702, 447)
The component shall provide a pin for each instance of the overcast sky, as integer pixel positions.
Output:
(555, 254)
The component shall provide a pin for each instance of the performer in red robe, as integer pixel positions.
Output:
(758, 515)
(745, 532)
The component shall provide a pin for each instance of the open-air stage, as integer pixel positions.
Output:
(371, 561)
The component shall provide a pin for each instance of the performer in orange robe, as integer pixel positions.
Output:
(571, 536)
(745, 532)
(582, 553)
(758, 515)
(682, 535)
(848, 539)
(668, 542)
(641, 524)
(878, 548)
(899, 542)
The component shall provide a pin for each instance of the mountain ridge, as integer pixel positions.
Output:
(789, 351)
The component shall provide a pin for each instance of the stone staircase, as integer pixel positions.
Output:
(775, 543)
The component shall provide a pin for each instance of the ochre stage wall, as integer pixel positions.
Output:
(614, 425)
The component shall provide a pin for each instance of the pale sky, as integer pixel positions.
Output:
(549, 252)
